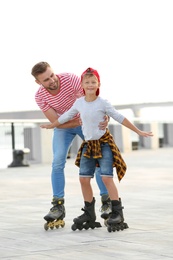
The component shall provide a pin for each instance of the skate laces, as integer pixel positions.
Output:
(84, 214)
(57, 208)
(114, 214)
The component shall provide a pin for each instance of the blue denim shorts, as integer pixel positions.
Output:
(88, 165)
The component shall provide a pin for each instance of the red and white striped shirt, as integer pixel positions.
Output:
(70, 90)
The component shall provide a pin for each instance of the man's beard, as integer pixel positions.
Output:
(55, 87)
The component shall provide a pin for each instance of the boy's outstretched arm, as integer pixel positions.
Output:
(132, 127)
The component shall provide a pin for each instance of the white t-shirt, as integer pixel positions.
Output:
(91, 114)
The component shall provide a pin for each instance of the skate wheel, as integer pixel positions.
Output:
(92, 227)
(80, 228)
(122, 227)
(63, 225)
(86, 226)
(74, 227)
(118, 228)
(115, 228)
(97, 224)
(59, 223)
(46, 226)
(125, 225)
(109, 228)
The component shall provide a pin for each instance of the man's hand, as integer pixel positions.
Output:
(47, 126)
(103, 125)
(80, 121)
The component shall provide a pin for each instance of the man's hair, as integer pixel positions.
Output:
(39, 68)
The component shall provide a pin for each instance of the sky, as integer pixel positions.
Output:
(129, 42)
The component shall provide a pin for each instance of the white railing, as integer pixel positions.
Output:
(26, 133)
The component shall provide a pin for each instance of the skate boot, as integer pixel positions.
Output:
(115, 222)
(105, 208)
(56, 214)
(87, 219)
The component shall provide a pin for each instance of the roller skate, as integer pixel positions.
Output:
(105, 208)
(87, 219)
(56, 215)
(115, 222)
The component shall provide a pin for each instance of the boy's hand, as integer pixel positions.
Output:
(145, 134)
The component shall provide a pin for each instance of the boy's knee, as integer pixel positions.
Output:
(84, 180)
(105, 179)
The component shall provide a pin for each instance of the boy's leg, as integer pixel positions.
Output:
(105, 200)
(106, 170)
(115, 222)
(86, 188)
(86, 172)
(103, 191)
(115, 219)
(100, 183)
(88, 218)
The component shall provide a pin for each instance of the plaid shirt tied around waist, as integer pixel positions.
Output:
(94, 150)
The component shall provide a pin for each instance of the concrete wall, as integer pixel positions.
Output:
(168, 134)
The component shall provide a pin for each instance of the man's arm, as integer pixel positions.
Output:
(51, 115)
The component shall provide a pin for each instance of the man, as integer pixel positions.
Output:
(56, 94)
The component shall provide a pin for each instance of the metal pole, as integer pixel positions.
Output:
(13, 135)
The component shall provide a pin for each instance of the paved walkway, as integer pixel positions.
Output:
(147, 196)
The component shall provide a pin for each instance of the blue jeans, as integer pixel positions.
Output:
(88, 165)
(62, 140)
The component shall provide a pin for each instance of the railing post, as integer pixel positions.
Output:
(13, 135)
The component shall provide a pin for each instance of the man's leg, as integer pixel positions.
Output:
(62, 139)
(100, 183)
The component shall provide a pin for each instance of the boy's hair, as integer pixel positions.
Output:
(39, 68)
